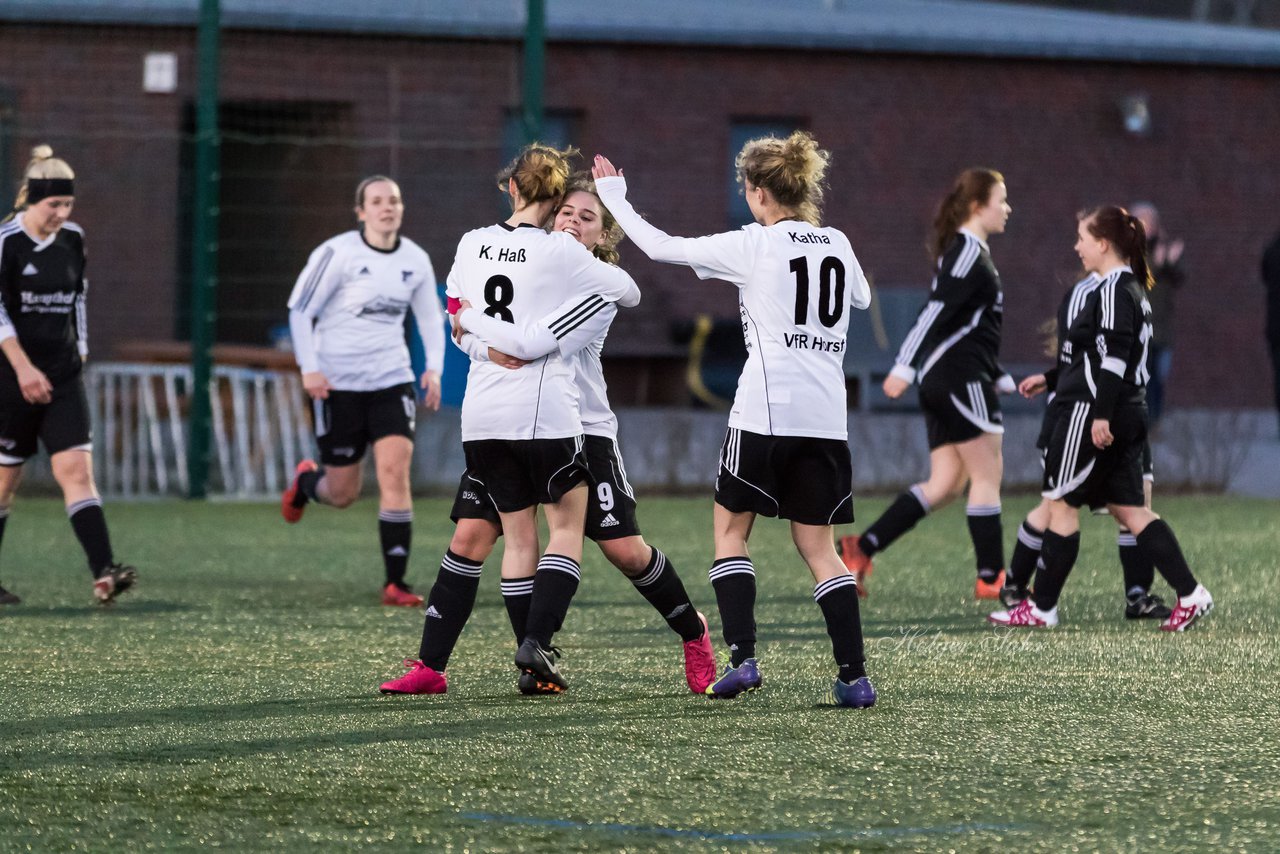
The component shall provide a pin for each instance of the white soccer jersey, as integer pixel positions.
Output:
(796, 284)
(521, 274)
(577, 330)
(347, 311)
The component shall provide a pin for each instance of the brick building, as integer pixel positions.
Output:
(315, 95)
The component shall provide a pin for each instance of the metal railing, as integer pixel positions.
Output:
(140, 429)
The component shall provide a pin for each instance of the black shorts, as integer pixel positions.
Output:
(473, 501)
(806, 480)
(611, 507)
(1079, 473)
(348, 422)
(62, 424)
(957, 413)
(520, 473)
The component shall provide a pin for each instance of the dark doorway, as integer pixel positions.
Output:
(288, 173)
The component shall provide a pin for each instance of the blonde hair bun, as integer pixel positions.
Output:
(42, 152)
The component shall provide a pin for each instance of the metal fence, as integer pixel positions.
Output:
(139, 415)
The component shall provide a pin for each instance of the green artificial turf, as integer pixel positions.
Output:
(230, 700)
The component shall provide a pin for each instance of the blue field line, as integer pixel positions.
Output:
(712, 836)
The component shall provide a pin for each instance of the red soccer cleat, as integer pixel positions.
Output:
(401, 596)
(419, 680)
(700, 660)
(290, 509)
(855, 560)
(1188, 610)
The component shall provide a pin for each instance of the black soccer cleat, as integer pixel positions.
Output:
(113, 581)
(1146, 606)
(1011, 595)
(538, 672)
(7, 598)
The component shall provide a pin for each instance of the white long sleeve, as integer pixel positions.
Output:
(429, 319)
(527, 341)
(302, 330)
(728, 256)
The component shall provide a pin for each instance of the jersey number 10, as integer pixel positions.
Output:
(830, 291)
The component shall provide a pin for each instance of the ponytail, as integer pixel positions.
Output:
(1126, 233)
(541, 173)
(791, 169)
(972, 185)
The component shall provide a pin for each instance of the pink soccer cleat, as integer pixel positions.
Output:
(419, 680)
(700, 660)
(1025, 614)
(1188, 610)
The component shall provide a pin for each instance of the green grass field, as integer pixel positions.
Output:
(231, 701)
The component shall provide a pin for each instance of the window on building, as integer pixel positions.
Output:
(740, 131)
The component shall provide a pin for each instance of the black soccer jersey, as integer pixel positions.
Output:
(1072, 304)
(956, 337)
(42, 293)
(1108, 346)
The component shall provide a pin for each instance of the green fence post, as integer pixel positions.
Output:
(204, 246)
(535, 60)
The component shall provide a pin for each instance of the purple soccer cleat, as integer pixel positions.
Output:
(858, 694)
(736, 680)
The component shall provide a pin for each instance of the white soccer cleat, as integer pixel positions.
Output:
(1189, 609)
(1025, 614)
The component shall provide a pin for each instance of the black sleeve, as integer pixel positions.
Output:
(1119, 317)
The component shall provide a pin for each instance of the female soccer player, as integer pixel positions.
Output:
(521, 430)
(346, 314)
(577, 329)
(1140, 602)
(953, 351)
(786, 452)
(1095, 449)
(44, 336)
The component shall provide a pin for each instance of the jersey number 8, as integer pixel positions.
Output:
(498, 294)
(830, 291)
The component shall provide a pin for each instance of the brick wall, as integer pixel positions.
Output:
(900, 127)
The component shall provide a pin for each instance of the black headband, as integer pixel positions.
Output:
(43, 188)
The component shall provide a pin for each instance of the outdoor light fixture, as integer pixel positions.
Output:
(1136, 113)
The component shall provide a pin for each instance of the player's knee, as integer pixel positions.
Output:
(474, 542)
(342, 497)
(72, 471)
(631, 555)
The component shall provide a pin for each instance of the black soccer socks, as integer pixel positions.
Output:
(395, 530)
(1161, 547)
(987, 533)
(517, 595)
(1139, 571)
(661, 586)
(838, 599)
(90, 525)
(903, 514)
(553, 587)
(734, 580)
(1058, 556)
(307, 482)
(448, 608)
(1026, 551)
